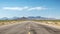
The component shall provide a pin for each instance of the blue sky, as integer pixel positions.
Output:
(19, 8)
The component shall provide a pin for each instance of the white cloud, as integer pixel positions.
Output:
(15, 8)
(37, 8)
(24, 8)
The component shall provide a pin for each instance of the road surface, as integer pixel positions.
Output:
(28, 28)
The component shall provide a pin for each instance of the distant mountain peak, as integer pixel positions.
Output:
(28, 18)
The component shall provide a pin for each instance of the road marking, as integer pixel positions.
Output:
(28, 32)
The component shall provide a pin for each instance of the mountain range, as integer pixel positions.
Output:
(27, 18)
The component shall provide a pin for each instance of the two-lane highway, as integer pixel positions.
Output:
(28, 28)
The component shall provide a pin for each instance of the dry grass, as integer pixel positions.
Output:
(6, 22)
(52, 22)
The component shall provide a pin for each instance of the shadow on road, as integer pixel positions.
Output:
(32, 31)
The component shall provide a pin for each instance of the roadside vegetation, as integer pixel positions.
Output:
(52, 22)
(6, 22)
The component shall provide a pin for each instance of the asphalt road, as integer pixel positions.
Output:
(25, 28)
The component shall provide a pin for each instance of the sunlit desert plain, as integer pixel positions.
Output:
(49, 22)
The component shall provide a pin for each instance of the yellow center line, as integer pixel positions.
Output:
(28, 32)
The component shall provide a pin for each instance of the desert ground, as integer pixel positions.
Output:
(49, 22)
(29, 26)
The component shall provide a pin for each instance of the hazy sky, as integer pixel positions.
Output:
(19, 8)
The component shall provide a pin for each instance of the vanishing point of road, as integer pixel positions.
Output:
(28, 28)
